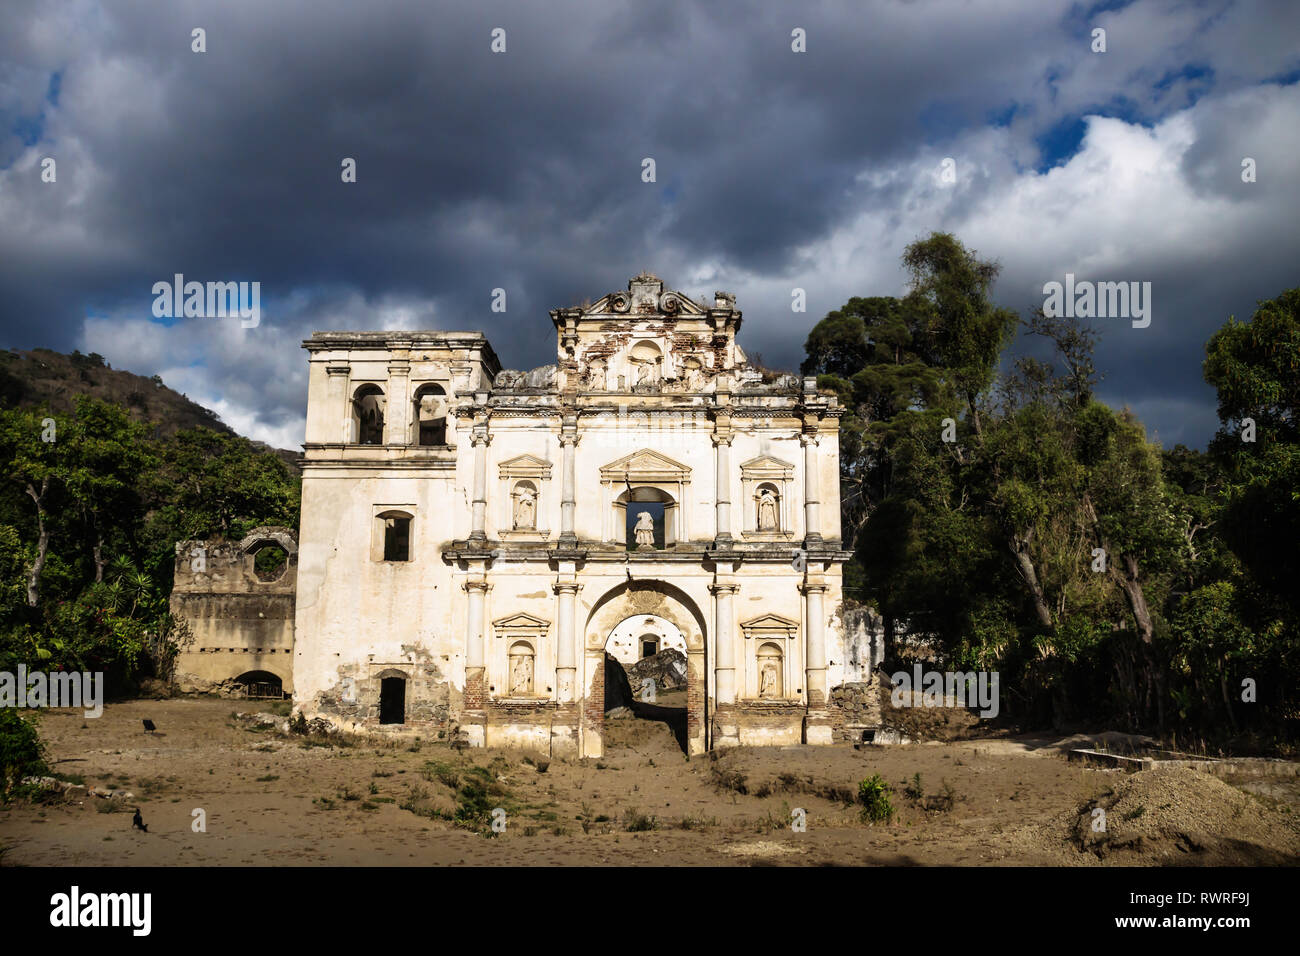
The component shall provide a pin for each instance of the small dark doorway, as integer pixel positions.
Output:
(392, 701)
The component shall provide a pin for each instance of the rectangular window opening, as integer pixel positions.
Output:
(397, 539)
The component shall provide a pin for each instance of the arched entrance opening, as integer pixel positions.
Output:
(624, 623)
(429, 416)
(645, 681)
(261, 685)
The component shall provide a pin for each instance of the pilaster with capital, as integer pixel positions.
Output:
(480, 439)
(568, 491)
(811, 492)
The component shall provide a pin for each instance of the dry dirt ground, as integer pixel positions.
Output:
(284, 799)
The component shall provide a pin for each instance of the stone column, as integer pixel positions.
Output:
(811, 494)
(817, 725)
(725, 731)
(566, 642)
(337, 421)
(568, 493)
(480, 440)
(722, 495)
(565, 735)
(397, 420)
(475, 717)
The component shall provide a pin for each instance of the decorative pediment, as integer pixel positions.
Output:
(525, 466)
(769, 625)
(520, 621)
(767, 468)
(645, 465)
(646, 295)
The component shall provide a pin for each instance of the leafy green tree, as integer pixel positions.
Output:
(30, 442)
(967, 330)
(209, 483)
(107, 451)
(22, 754)
(977, 503)
(872, 353)
(88, 525)
(1255, 367)
(900, 367)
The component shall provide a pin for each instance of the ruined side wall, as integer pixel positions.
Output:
(860, 635)
(239, 622)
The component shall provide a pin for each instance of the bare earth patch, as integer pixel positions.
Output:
(275, 799)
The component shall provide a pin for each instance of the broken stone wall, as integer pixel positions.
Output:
(769, 723)
(239, 621)
(863, 633)
(855, 707)
(354, 702)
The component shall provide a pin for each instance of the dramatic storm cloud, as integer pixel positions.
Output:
(522, 170)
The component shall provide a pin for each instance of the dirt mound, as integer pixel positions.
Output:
(765, 849)
(1180, 816)
(646, 737)
(1109, 741)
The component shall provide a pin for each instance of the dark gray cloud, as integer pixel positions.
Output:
(522, 170)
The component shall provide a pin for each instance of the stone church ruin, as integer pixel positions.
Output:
(475, 540)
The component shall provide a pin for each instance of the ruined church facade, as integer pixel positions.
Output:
(474, 540)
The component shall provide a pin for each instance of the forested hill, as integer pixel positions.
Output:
(105, 472)
(46, 377)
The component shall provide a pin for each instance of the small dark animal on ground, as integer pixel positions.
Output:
(149, 727)
(138, 822)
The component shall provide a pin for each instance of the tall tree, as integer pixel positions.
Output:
(1255, 367)
(209, 483)
(33, 442)
(107, 451)
(966, 329)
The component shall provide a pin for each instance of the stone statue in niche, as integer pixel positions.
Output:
(671, 380)
(767, 510)
(525, 510)
(598, 375)
(645, 530)
(694, 374)
(645, 374)
(769, 679)
(521, 675)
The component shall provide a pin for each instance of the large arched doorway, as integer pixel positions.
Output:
(673, 618)
(645, 685)
(261, 685)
